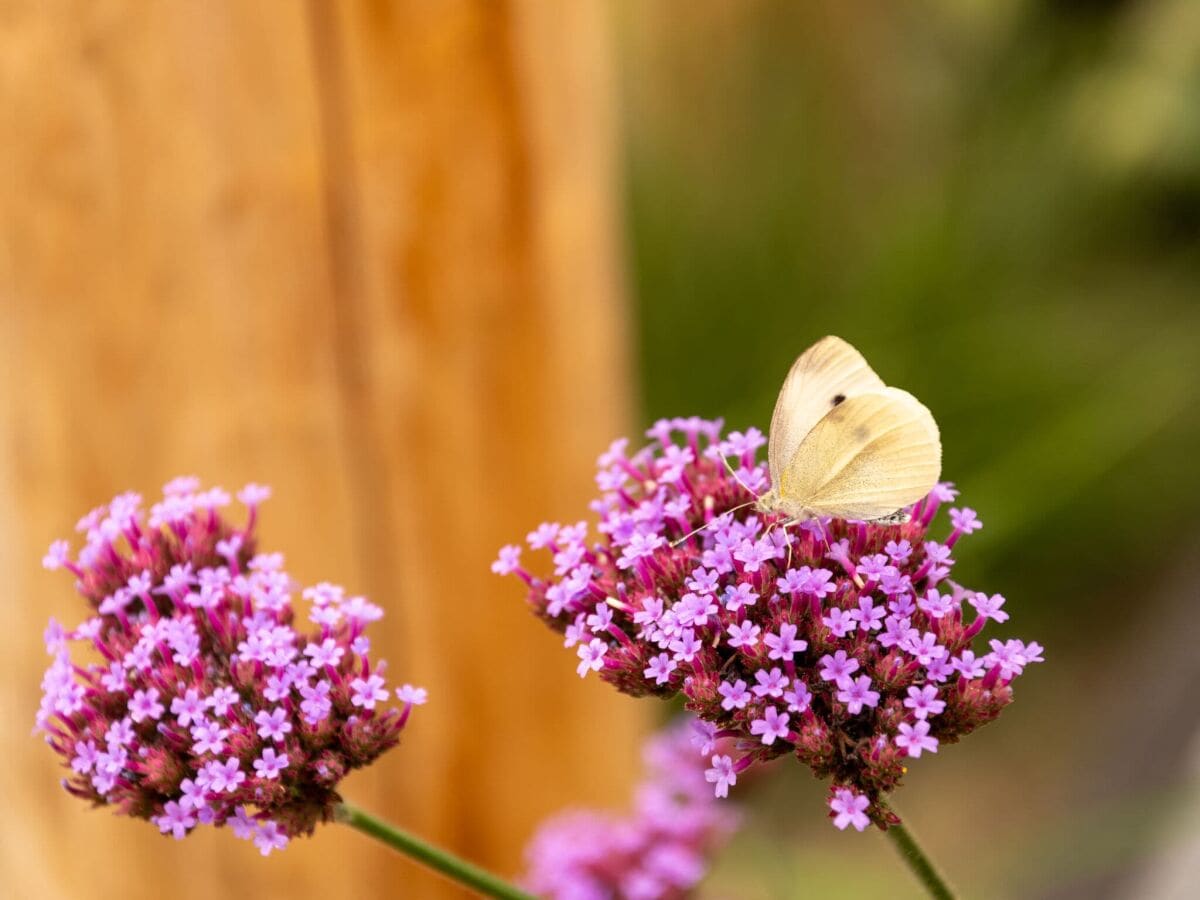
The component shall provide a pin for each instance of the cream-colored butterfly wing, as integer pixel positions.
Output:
(825, 375)
(867, 457)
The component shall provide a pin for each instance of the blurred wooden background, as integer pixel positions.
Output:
(364, 252)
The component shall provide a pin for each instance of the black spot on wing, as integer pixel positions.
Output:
(838, 398)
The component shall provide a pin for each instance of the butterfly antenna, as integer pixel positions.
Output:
(738, 479)
(710, 523)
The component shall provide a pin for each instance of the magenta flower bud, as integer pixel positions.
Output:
(846, 644)
(204, 702)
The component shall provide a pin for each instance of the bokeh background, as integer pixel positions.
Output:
(415, 264)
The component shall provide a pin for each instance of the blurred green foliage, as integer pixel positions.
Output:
(998, 203)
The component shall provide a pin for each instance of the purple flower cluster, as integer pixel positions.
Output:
(844, 643)
(200, 702)
(659, 852)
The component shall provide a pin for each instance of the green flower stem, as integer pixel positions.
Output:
(919, 863)
(465, 873)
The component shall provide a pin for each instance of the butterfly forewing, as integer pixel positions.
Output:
(825, 375)
(867, 457)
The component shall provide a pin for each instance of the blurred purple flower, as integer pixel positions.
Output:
(661, 850)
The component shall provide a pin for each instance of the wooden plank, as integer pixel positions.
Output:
(351, 254)
(486, 295)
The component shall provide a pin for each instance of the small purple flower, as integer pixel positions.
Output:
(1010, 656)
(924, 702)
(268, 837)
(327, 653)
(253, 494)
(939, 670)
(226, 776)
(784, 645)
(752, 554)
(964, 521)
(988, 607)
(242, 823)
(274, 725)
(704, 581)
(897, 631)
(270, 764)
(316, 705)
(660, 668)
(722, 775)
(816, 582)
(599, 621)
(144, 705)
(686, 646)
(849, 808)
(856, 693)
(640, 546)
(770, 684)
(188, 709)
(209, 737)
(798, 698)
(85, 757)
(119, 734)
(417, 696)
(175, 820)
(735, 695)
(871, 568)
(935, 605)
(278, 687)
(838, 667)
(739, 596)
(915, 738)
(220, 700)
(57, 556)
(591, 656)
(967, 665)
(870, 617)
(743, 634)
(840, 622)
(925, 648)
(195, 793)
(772, 725)
(509, 560)
(114, 679)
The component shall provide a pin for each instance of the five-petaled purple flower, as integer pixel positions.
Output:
(772, 725)
(915, 738)
(849, 808)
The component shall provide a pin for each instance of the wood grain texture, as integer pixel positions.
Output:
(364, 252)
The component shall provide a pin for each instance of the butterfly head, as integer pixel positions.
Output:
(773, 503)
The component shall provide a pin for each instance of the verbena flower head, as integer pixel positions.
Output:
(198, 699)
(659, 852)
(845, 644)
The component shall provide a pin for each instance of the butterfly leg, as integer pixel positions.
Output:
(784, 526)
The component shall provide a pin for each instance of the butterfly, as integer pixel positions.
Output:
(845, 445)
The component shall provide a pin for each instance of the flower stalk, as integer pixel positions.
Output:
(920, 864)
(447, 864)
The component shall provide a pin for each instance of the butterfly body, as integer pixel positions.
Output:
(845, 445)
